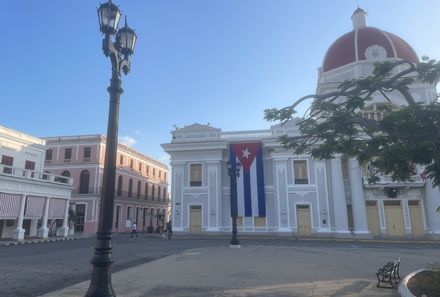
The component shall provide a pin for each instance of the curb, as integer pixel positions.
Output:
(9, 243)
(403, 288)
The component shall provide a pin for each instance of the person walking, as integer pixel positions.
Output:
(169, 229)
(133, 230)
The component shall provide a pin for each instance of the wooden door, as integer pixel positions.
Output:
(415, 212)
(303, 220)
(373, 218)
(80, 217)
(195, 220)
(394, 218)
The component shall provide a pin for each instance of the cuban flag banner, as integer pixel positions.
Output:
(251, 201)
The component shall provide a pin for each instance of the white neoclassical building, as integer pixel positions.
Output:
(295, 195)
(32, 202)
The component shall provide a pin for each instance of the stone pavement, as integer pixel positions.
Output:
(251, 271)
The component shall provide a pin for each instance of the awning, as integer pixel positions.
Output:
(34, 207)
(9, 206)
(57, 208)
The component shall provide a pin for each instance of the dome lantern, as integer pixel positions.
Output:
(359, 18)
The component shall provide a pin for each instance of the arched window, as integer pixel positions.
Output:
(146, 191)
(120, 185)
(84, 182)
(164, 193)
(65, 173)
(153, 190)
(138, 195)
(130, 187)
(158, 192)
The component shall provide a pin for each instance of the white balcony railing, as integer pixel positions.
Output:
(34, 175)
(246, 134)
(388, 180)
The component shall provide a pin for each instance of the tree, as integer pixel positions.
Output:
(394, 139)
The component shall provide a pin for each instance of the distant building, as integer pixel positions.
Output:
(32, 202)
(141, 185)
(282, 193)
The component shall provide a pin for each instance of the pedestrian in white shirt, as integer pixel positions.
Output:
(133, 230)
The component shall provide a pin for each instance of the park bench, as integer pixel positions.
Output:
(389, 273)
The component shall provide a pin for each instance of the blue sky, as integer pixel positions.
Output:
(220, 62)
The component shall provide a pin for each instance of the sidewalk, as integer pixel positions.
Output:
(249, 271)
(421, 240)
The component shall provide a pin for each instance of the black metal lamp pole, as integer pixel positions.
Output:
(234, 173)
(119, 53)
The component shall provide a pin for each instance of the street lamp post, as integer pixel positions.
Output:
(234, 173)
(119, 53)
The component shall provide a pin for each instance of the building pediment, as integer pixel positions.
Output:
(195, 132)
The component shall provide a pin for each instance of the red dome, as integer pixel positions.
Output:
(352, 46)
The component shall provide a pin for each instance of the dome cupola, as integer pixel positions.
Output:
(366, 43)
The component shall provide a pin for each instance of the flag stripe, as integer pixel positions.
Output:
(260, 184)
(254, 189)
(239, 189)
(247, 194)
(240, 195)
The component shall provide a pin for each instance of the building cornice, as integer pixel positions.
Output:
(101, 140)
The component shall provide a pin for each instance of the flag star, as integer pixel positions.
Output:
(246, 153)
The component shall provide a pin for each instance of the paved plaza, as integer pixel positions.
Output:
(267, 270)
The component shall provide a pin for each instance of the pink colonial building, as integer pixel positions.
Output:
(141, 194)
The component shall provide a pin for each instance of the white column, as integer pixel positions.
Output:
(382, 218)
(214, 194)
(357, 200)
(64, 230)
(43, 232)
(282, 196)
(19, 232)
(406, 217)
(179, 209)
(432, 202)
(339, 202)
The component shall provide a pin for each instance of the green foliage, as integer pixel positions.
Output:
(372, 179)
(394, 141)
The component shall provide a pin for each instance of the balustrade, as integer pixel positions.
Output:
(34, 175)
(388, 179)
